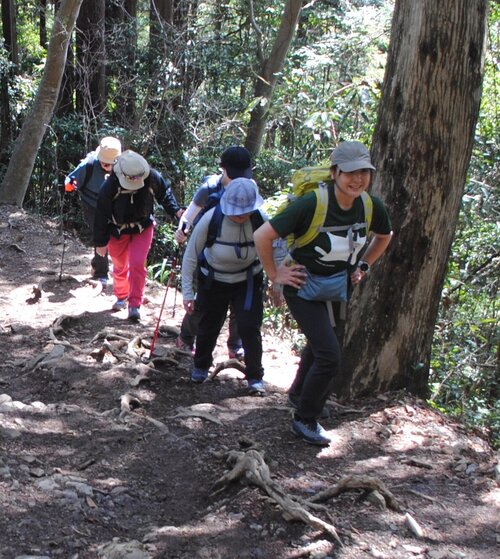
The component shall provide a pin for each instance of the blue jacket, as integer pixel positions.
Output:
(89, 177)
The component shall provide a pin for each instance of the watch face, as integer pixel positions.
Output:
(364, 267)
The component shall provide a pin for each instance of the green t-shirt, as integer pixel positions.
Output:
(329, 252)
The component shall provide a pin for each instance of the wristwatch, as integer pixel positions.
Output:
(364, 266)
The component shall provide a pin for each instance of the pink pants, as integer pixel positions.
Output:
(129, 253)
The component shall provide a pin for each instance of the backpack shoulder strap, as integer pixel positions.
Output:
(368, 206)
(215, 226)
(318, 219)
(89, 167)
(256, 220)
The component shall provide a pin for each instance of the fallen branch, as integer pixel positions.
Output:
(251, 465)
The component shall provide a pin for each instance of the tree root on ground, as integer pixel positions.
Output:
(251, 466)
(197, 410)
(228, 364)
(367, 483)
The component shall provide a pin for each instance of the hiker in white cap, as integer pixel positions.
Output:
(124, 225)
(87, 179)
(320, 271)
(222, 252)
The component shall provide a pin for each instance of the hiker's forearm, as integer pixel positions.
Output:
(376, 248)
(263, 238)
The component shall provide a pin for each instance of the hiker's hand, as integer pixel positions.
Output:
(180, 236)
(276, 295)
(188, 305)
(357, 276)
(101, 251)
(294, 275)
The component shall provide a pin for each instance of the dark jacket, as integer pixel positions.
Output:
(121, 211)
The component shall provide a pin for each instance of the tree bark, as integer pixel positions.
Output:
(121, 48)
(43, 23)
(422, 146)
(9, 32)
(271, 67)
(91, 59)
(9, 29)
(17, 176)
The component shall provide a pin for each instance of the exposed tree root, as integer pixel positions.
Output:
(367, 483)
(251, 466)
(107, 334)
(197, 410)
(228, 364)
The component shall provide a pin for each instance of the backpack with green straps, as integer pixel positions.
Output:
(316, 178)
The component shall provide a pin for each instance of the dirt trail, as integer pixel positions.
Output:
(104, 456)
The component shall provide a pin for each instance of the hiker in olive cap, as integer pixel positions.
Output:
(87, 179)
(320, 273)
(235, 162)
(124, 225)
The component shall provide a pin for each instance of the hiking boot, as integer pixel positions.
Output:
(310, 431)
(293, 401)
(134, 314)
(104, 282)
(181, 344)
(119, 305)
(238, 353)
(256, 387)
(199, 375)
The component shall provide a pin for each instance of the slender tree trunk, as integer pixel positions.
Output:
(10, 39)
(16, 180)
(43, 23)
(91, 59)
(121, 48)
(9, 29)
(422, 147)
(271, 67)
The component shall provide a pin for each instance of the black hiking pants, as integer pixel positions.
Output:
(190, 324)
(100, 264)
(213, 300)
(319, 364)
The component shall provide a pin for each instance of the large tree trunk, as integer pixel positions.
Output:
(17, 176)
(271, 67)
(422, 146)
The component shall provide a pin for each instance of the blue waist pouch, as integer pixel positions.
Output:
(324, 288)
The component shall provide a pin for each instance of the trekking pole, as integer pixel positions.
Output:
(169, 281)
(179, 259)
(61, 233)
